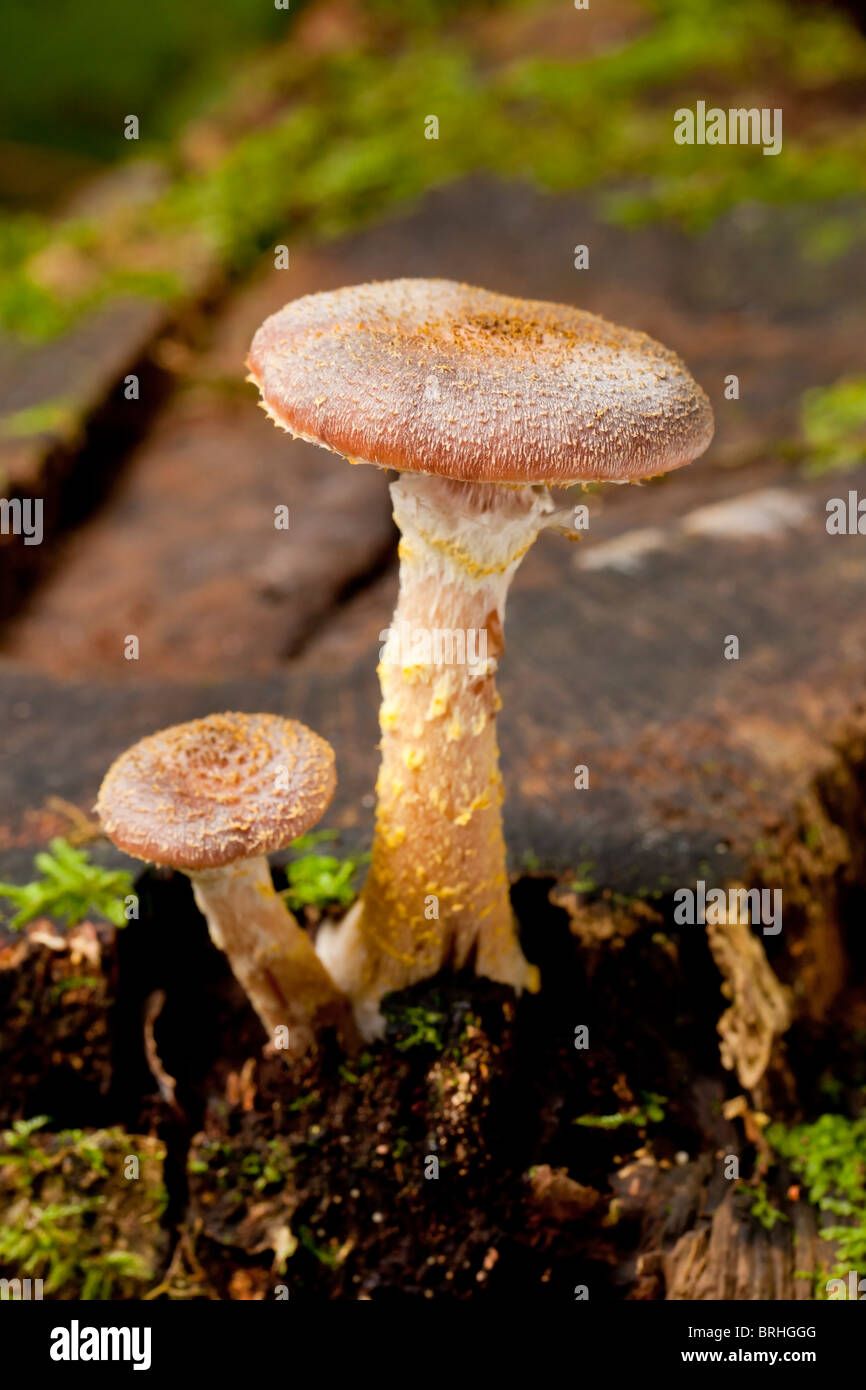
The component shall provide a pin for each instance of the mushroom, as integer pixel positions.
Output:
(483, 403)
(212, 798)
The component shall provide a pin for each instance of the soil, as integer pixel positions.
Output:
(446, 1160)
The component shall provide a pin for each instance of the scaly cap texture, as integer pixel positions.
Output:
(227, 787)
(431, 376)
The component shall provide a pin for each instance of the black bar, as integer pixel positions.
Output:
(234, 1341)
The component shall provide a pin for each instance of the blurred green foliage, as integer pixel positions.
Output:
(830, 1158)
(650, 1111)
(833, 422)
(763, 1210)
(69, 73)
(344, 142)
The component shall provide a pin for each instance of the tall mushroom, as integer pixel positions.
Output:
(483, 403)
(213, 798)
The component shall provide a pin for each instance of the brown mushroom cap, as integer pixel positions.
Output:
(227, 787)
(431, 376)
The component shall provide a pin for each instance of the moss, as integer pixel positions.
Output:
(650, 1111)
(829, 1156)
(50, 277)
(72, 1215)
(416, 1026)
(584, 880)
(320, 880)
(762, 1209)
(360, 1065)
(349, 142)
(326, 1256)
(71, 888)
(267, 1167)
(301, 1103)
(833, 423)
(55, 417)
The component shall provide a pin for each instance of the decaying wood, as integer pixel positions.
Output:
(760, 1008)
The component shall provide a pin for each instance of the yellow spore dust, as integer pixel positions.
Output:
(478, 803)
(467, 563)
(439, 699)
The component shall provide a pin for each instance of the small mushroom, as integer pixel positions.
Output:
(213, 798)
(483, 403)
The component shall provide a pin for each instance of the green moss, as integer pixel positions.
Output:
(833, 423)
(32, 309)
(88, 982)
(56, 417)
(71, 1216)
(326, 1256)
(255, 1171)
(358, 147)
(71, 887)
(348, 144)
(416, 1027)
(829, 1156)
(301, 1103)
(320, 880)
(360, 1064)
(758, 1201)
(651, 1111)
(584, 880)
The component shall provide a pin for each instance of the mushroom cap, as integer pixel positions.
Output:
(431, 376)
(227, 787)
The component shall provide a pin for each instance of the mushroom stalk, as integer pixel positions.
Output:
(271, 956)
(479, 398)
(437, 891)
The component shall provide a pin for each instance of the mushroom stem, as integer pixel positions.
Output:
(437, 891)
(271, 956)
